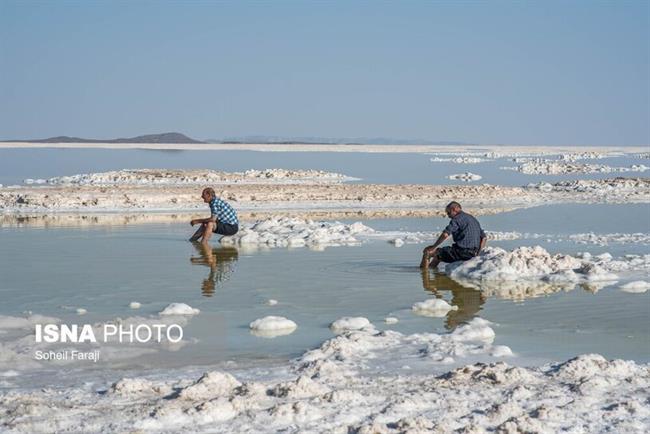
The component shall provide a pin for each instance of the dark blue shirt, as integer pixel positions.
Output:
(465, 230)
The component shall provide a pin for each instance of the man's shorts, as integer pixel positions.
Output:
(454, 253)
(225, 229)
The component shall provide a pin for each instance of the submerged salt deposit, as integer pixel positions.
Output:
(638, 286)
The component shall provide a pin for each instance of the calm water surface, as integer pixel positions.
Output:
(102, 269)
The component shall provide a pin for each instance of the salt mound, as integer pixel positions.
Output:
(638, 286)
(81, 311)
(391, 320)
(477, 330)
(135, 386)
(135, 305)
(271, 302)
(272, 326)
(209, 386)
(295, 232)
(350, 323)
(497, 264)
(179, 309)
(434, 307)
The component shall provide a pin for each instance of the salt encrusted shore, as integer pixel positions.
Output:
(194, 177)
(359, 382)
(264, 197)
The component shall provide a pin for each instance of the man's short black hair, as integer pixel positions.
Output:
(453, 205)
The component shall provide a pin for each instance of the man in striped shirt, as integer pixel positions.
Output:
(223, 218)
(469, 239)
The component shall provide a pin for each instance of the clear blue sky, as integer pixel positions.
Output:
(526, 72)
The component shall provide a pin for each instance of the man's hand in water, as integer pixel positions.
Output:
(426, 255)
(429, 251)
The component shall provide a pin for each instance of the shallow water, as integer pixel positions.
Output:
(54, 271)
(19, 164)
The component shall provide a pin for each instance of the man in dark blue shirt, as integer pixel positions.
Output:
(467, 234)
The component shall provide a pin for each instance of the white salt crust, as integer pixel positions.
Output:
(360, 382)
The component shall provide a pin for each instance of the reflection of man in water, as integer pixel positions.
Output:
(220, 260)
(468, 300)
(465, 230)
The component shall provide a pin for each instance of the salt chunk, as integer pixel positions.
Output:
(134, 305)
(179, 309)
(391, 320)
(434, 307)
(272, 326)
(350, 323)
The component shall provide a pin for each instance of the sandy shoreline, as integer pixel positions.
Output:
(393, 148)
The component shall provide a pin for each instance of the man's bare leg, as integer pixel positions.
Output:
(207, 232)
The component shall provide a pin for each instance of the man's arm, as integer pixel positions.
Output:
(483, 241)
(212, 218)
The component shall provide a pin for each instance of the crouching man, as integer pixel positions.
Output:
(465, 230)
(223, 218)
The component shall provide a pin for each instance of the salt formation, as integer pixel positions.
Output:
(271, 302)
(391, 320)
(539, 166)
(294, 232)
(272, 326)
(357, 382)
(467, 177)
(638, 286)
(134, 305)
(434, 307)
(459, 160)
(350, 323)
(528, 263)
(179, 309)
(197, 177)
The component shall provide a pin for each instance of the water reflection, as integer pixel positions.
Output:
(220, 260)
(468, 300)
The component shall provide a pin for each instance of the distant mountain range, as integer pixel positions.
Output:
(172, 138)
(149, 138)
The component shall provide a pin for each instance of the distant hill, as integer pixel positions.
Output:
(149, 138)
